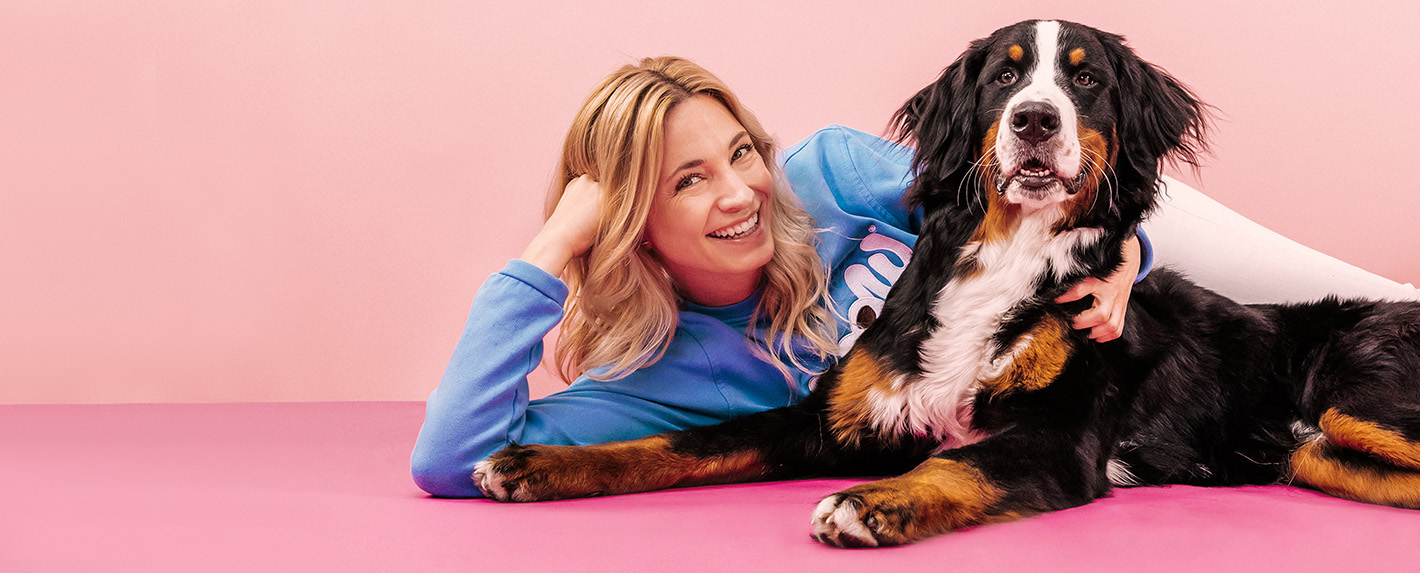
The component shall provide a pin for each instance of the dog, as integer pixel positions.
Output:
(1039, 151)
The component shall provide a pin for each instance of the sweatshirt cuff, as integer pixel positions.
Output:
(533, 276)
(1146, 255)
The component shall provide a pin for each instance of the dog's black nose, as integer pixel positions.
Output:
(1035, 121)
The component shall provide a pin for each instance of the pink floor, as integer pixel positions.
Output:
(325, 487)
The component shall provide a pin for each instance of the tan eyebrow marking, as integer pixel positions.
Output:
(1016, 52)
(1077, 55)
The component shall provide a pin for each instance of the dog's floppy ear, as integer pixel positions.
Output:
(942, 120)
(1159, 117)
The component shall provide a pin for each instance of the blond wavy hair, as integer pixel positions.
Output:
(623, 307)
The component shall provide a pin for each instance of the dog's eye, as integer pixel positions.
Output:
(1085, 80)
(1006, 78)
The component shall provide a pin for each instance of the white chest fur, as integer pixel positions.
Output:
(957, 356)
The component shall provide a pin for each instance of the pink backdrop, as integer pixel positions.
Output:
(268, 200)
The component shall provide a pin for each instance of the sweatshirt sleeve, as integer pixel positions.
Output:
(839, 172)
(706, 376)
(1146, 255)
(484, 391)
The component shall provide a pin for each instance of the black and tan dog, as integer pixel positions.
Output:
(1038, 153)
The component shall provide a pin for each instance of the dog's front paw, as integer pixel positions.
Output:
(517, 473)
(844, 520)
(937, 497)
(490, 482)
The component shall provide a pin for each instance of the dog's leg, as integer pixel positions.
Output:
(938, 496)
(1379, 432)
(1367, 387)
(1003, 478)
(1367, 451)
(777, 444)
(1350, 474)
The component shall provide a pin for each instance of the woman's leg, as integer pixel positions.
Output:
(1247, 262)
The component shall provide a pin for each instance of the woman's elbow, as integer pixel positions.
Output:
(443, 480)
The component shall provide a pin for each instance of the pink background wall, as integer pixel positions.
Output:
(273, 200)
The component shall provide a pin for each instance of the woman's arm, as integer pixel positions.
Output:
(482, 398)
(708, 375)
(481, 402)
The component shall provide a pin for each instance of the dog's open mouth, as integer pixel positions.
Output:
(1034, 176)
(1036, 179)
(1033, 181)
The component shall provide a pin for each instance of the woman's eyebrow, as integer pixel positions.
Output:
(696, 162)
(688, 165)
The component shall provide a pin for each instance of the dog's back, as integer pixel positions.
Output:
(1229, 393)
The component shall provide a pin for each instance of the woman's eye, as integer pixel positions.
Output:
(742, 151)
(1006, 78)
(1085, 79)
(687, 181)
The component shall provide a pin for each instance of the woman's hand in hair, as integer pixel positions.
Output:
(571, 229)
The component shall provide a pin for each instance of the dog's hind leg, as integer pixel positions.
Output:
(1351, 474)
(1388, 434)
(776, 444)
(1368, 391)
(1367, 451)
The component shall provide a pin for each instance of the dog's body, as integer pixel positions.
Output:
(1038, 153)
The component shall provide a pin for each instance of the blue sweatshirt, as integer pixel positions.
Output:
(850, 182)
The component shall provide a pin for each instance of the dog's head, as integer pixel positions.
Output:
(1047, 113)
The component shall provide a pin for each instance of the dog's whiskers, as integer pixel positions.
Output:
(975, 177)
(1098, 162)
(1107, 174)
(966, 182)
(1094, 166)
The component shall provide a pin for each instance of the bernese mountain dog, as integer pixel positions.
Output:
(1038, 152)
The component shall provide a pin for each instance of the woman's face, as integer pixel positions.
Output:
(709, 221)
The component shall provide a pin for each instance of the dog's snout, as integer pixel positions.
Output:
(1035, 121)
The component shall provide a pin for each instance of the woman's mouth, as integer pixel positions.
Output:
(739, 231)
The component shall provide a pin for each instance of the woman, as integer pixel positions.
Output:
(694, 292)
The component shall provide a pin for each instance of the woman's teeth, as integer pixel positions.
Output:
(739, 230)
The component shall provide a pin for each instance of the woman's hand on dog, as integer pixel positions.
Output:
(1105, 319)
(571, 229)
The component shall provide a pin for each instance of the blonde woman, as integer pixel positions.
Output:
(696, 287)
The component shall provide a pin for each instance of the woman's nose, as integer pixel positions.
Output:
(736, 195)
